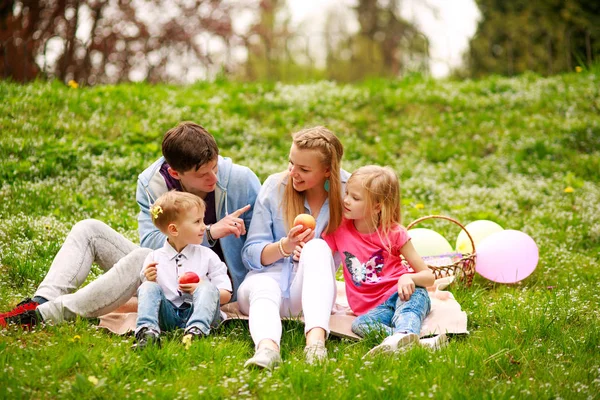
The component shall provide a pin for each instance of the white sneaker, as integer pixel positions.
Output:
(435, 342)
(316, 352)
(395, 343)
(264, 358)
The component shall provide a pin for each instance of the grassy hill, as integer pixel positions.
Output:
(500, 149)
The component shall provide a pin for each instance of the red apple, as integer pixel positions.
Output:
(189, 277)
(306, 220)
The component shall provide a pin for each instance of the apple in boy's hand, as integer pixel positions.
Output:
(306, 220)
(189, 277)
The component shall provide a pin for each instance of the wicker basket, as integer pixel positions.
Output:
(464, 268)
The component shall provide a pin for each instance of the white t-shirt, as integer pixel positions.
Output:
(193, 258)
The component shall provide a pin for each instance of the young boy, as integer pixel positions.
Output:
(163, 301)
(190, 163)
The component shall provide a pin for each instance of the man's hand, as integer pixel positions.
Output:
(406, 287)
(150, 271)
(188, 287)
(231, 224)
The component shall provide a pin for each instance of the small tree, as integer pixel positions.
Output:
(111, 40)
(542, 36)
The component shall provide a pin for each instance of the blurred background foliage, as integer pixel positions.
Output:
(547, 37)
(181, 41)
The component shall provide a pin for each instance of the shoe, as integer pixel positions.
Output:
(26, 319)
(393, 344)
(315, 353)
(264, 358)
(25, 305)
(146, 337)
(435, 342)
(190, 334)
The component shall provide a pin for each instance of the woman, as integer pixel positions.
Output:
(291, 271)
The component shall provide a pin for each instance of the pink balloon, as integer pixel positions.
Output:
(507, 256)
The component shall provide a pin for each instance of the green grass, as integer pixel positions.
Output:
(500, 149)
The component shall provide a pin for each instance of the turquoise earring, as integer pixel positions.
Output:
(326, 185)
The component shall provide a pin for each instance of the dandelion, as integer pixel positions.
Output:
(187, 341)
(75, 338)
(578, 69)
(73, 84)
(419, 206)
(93, 380)
(569, 189)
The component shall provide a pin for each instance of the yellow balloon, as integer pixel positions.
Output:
(478, 230)
(428, 242)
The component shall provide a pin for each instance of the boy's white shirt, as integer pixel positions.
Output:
(195, 258)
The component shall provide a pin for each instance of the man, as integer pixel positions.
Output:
(190, 163)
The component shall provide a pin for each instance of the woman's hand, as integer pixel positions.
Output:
(298, 250)
(288, 244)
(406, 287)
(150, 271)
(295, 236)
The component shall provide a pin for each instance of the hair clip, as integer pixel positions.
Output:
(156, 211)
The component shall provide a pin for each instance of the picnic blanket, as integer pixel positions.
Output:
(446, 315)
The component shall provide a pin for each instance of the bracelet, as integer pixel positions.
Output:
(281, 250)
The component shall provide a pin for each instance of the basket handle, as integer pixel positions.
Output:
(418, 220)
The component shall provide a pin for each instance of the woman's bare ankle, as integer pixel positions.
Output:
(269, 344)
(315, 335)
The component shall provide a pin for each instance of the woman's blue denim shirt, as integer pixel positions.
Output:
(268, 226)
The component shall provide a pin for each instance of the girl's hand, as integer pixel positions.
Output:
(188, 287)
(295, 236)
(406, 287)
(150, 271)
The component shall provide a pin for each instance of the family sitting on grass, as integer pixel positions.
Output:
(195, 207)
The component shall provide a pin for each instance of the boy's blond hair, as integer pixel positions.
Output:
(382, 189)
(168, 208)
(331, 150)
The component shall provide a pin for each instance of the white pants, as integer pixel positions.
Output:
(91, 241)
(312, 293)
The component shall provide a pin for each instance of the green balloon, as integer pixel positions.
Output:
(428, 242)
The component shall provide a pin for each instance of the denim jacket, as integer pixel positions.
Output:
(268, 226)
(236, 187)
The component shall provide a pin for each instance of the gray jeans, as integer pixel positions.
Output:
(91, 241)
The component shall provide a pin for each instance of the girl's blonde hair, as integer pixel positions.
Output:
(169, 206)
(382, 189)
(331, 150)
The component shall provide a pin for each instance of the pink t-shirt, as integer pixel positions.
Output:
(370, 271)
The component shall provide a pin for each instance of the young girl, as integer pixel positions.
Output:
(291, 272)
(384, 294)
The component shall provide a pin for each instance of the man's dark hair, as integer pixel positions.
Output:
(188, 146)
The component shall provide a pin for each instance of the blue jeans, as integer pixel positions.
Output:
(395, 315)
(158, 313)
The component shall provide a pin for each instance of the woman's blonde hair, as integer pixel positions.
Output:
(331, 150)
(382, 190)
(169, 206)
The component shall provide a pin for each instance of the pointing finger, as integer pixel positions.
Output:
(240, 211)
